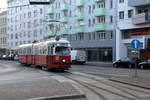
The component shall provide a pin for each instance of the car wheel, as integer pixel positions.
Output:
(115, 65)
(130, 66)
(141, 66)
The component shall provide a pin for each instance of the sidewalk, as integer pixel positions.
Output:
(142, 82)
(104, 64)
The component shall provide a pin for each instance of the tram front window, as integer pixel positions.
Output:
(62, 51)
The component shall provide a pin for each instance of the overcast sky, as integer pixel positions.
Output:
(3, 3)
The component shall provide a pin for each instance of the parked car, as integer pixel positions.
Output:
(4, 57)
(78, 56)
(145, 64)
(126, 62)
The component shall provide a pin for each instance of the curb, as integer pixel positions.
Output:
(74, 96)
(128, 83)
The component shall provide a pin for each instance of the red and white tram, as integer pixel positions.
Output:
(51, 54)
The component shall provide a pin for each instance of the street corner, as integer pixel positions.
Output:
(47, 90)
(142, 82)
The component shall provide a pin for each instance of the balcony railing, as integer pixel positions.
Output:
(135, 3)
(50, 32)
(141, 18)
(64, 6)
(98, 0)
(80, 29)
(80, 16)
(100, 12)
(50, 10)
(64, 31)
(79, 3)
(99, 27)
(64, 19)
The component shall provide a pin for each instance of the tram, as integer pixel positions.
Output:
(51, 54)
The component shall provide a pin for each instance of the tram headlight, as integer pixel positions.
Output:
(63, 60)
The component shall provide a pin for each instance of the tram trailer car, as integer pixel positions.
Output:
(51, 54)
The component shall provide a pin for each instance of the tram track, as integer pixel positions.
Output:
(91, 86)
(123, 89)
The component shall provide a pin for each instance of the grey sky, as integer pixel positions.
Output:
(3, 3)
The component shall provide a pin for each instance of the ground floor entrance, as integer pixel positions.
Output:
(100, 54)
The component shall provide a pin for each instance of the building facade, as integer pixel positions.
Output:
(89, 25)
(133, 22)
(25, 23)
(3, 32)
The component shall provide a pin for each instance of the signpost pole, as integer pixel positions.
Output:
(136, 45)
(136, 72)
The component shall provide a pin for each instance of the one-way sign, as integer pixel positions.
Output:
(135, 44)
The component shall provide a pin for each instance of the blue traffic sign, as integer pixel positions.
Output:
(135, 44)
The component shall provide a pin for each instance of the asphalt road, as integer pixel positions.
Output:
(108, 71)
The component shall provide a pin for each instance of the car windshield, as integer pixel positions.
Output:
(62, 51)
(125, 59)
(148, 60)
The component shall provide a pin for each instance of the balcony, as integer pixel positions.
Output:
(50, 10)
(64, 31)
(136, 3)
(79, 3)
(99, 27)
(51, 1)
(100, 12)
(80, 16)
(50, 32)
(141, 19)
(64, 7)
(80, 29)
(64, 19)
(98, 0)
(49, 21)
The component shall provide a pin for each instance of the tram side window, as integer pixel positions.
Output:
(50, 50)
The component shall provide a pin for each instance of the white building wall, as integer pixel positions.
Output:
(18, 21)
(126, 24)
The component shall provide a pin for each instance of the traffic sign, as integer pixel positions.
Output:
(135, 44)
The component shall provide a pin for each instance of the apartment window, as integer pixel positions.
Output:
(94, 35)
(111, 35)
(121, 15)
(101, 19)
(90, 37)
(81, 36)
(89, 22)
(93, 21)
(29, 34)
(35, 13)
(89, 9)
(101, 5)
(111, 19)
(111, 3)
(35, 33)
(93, 8)
(29, 14)
(41, 11)
(101, 35)
(121, 1)
(139, 11)
(130, 13)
